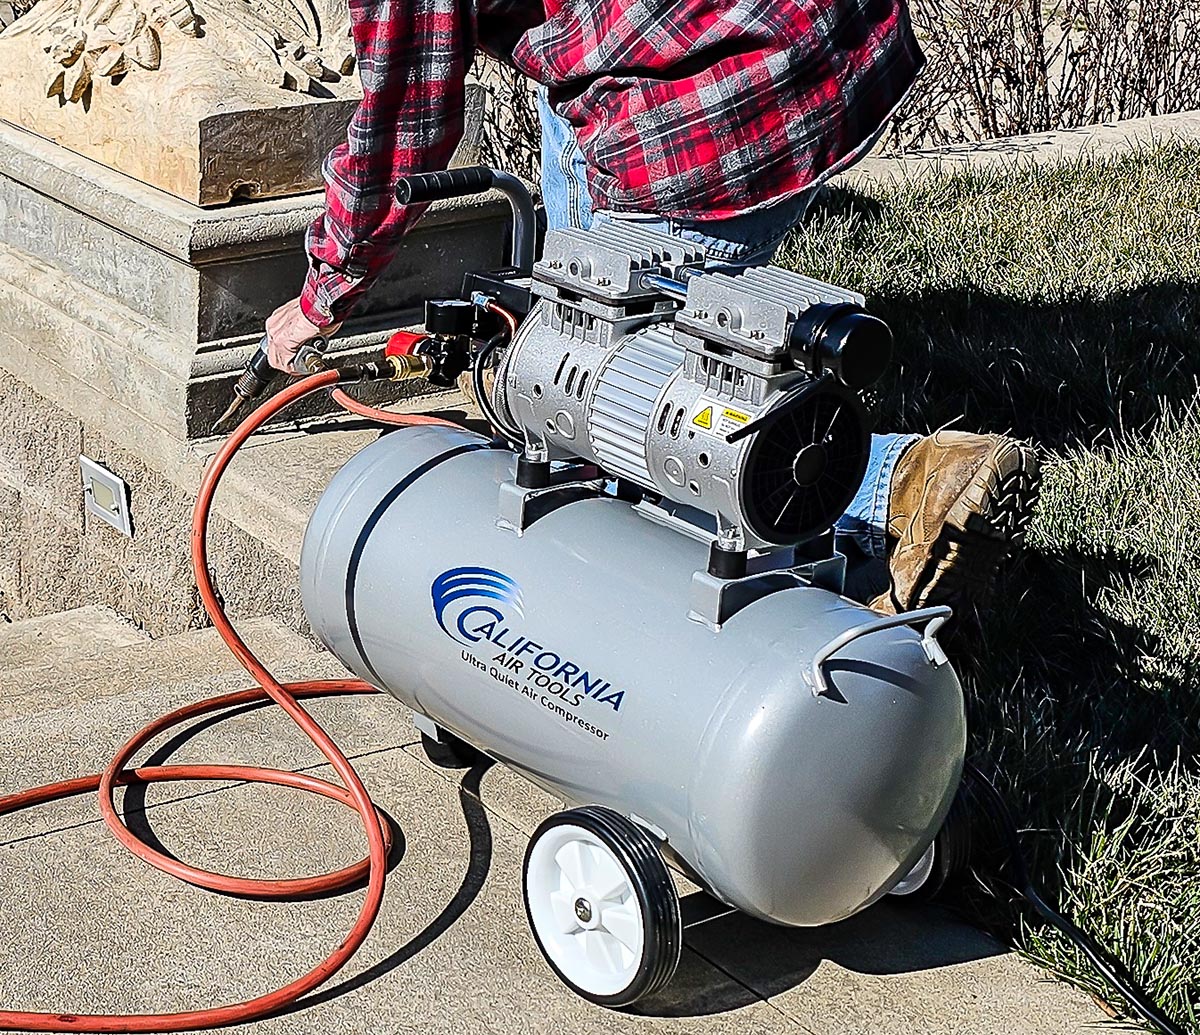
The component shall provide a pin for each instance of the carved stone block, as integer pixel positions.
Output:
(210, 100)
(123, 302)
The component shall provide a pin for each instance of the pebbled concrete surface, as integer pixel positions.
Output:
(87, 928)
(86, 632)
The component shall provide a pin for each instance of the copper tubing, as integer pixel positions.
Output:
(505, 315)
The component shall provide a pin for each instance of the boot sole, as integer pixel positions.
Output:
(987, 522)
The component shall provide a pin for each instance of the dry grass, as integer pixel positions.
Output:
(1065, 303)
(512, 136)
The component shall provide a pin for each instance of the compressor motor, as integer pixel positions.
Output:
(734, 395)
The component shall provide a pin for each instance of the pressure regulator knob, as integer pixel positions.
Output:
(449, 317)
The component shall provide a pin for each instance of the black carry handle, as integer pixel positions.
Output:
(422, 188)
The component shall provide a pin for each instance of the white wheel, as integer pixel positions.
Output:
(947, 855)
(602, 906)
(918, 876)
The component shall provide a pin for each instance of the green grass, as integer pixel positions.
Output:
(1063, 304)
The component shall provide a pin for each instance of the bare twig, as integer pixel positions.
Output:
(1003, 67)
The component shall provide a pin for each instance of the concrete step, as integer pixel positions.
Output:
(279, 475)
(86, 632)
(91, 703)
(69, 718)
(109, 661)
(452, 951)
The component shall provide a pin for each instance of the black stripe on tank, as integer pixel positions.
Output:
(368, 528)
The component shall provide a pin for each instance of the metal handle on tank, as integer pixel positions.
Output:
(422, 188)
(936, 617)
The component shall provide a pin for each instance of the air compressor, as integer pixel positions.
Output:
(647, 623)
(631, 597)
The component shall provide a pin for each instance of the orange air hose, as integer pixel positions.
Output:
(352, 792)
(398, 420)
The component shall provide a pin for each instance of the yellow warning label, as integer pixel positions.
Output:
(713, 417)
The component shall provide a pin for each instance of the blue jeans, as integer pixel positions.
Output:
(747, 240)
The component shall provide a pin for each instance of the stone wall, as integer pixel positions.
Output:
(127, 315)
(152, 215)
(53, 558)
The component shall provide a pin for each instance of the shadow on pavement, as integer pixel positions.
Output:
(479, 831)
(137, 816)
(136, 812)
(753, 960)
(764, 960)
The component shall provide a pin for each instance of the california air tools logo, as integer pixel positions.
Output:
(460, 593)
(481, 608)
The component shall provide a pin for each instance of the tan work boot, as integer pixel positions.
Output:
(957, 506)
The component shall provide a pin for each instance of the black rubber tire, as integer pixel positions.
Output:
(449, 751)
(638, 853)
(951, 850)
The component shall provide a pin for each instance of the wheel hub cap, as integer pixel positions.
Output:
(589, 918)
(583, 910)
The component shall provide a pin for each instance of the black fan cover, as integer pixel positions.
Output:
(804, 467)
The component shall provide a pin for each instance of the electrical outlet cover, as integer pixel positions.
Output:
(106, 496)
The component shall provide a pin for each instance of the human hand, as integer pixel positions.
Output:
(287, 329)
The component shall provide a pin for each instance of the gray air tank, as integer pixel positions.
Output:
(567, 653)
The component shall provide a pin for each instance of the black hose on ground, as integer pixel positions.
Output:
(1106, 964)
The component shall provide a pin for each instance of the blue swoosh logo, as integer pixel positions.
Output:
(461, 592)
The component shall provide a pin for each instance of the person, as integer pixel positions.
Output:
(713, 119)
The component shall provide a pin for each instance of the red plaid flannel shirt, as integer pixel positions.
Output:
(686, 108)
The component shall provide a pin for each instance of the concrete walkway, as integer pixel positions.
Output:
(1099, 141)
(87, 928)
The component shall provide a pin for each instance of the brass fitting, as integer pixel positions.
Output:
(409, 368)
(312, 363)
(310, 357)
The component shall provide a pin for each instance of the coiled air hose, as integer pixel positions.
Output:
(352, 793)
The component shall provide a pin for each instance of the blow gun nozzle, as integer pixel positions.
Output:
(259, 374)
(230, 410)
(253, 382)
